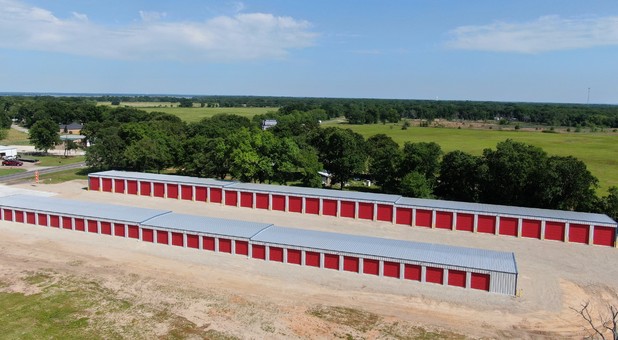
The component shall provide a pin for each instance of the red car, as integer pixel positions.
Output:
(12, 162)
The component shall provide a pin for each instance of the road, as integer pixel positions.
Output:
(29, 174)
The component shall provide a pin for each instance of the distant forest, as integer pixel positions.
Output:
(293, 151)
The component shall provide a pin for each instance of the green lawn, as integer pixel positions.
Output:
(63, 176)
(57, 160)
(9, 171)
(15, 137)
(599, 150)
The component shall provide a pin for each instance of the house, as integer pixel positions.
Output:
(7, 152)
(71, 129)
(268, 123)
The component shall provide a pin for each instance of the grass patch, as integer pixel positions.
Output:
(596, 149)
(10, 171)
(63, 176)
(58, 160)
(357, 319)
(15, 137)
(398, 331)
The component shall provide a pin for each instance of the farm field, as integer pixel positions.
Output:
(597, 149)
(195, 114)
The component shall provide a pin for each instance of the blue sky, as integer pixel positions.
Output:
(541, 51)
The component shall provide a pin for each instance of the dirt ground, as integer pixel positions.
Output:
(274, 300)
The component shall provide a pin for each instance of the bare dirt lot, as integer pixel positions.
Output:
(225, 295)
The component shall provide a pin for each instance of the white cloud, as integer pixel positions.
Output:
(226, 38)
(547, 33)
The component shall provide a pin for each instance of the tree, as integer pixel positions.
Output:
(69, 146)
(423, 158)
(605, 323)
(147, 153)
(384, 158)
(342, 152)
(416, 184)
(567, 185)
(609, 203)
(460, 177)
(44, 135)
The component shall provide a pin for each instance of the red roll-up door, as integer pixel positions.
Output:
(329, 207)
(412, 272)
(604, 236)
(147, 235)
(7, 214)
(131, 187)
(444, 219)
(479, 281)
(365, 210)
(93, 226)
(216, 195)
(107, 184)
(423, 218)
(457, 278)
(80, 224)
(106, 228)
(145, 188)
(208, 243)
(178, 239)
(275, 254)
(464, 222)
(434, 275)
(193, 241)
(119, 229)
(312, 259)
(133, 231)
(19, 216)
(200, 194)
(162, 236)
(42, 220)
(531, 228)
(296, 204)
(186, 192)
(294, 256)
(347, 209)
(258, 251)
(486, 224)
(578, 233)
(246, 199)
(508, 226)
(278, 202)
(312, 206)
(159, 189)
(119, 186)
(554, 231)
(225, 245)
(94, 183)
(331, 261)
(231, 198)
(351, 264)
(67, 222)
(172, 190)
(261, 201)
(30, 217)
(391, 269)
(403, 216)
(371, 267)
(54, 221)
(241, 247)
(385, 212)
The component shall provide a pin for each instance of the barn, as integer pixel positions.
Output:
(508, 221)
(404, 260)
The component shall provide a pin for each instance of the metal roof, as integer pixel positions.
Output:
(314, 192)
(59, 206)
(507, 210)
(389, 248)
(209, 182)
(207, 225)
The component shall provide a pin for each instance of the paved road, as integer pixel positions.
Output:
(30, 174)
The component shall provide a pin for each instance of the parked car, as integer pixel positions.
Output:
(12, 162)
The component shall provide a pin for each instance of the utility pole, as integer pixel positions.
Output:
(588, 99)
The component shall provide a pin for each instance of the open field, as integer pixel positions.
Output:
(116, 287)
(599, 150)
(15, 137)
(195, 114)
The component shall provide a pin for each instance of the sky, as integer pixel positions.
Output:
(563, 51)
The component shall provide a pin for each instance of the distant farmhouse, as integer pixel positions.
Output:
(268, 123)
(71, 129)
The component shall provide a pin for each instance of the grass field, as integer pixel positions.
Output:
(15, 137)
(599, 150)
(195, 114)
(9, 171)
(58, 160)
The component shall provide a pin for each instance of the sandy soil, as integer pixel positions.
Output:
(553, 276)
